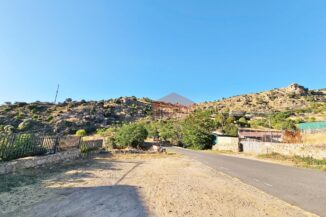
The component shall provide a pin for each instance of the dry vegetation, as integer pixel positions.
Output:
(135, 185)
(314, 139)
(308, 105)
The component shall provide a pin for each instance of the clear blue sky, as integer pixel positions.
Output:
(203, 50)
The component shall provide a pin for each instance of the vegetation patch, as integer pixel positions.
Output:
(307, 162)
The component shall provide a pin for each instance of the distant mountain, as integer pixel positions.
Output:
(175, 98)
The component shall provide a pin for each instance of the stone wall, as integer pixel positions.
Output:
(226, 147)
(35, 161)
(303, 150)
(61, 156)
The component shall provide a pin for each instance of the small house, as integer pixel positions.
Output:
(225, 142)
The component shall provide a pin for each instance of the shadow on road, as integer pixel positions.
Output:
(117, 200)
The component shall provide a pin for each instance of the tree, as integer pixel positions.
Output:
(171, 131)
(282, 121)
(131, 135)
(231, 130)
(243, 122)
(152, 129)
(68, 100)
(197, 130)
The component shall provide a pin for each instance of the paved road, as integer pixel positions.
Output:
(305, 188)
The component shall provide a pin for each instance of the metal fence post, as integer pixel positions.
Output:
(56, 144)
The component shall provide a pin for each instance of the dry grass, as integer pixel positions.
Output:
(307, 162)
(314, 139)
(140, 185)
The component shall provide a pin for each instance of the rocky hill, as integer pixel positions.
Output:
(69, 116)
(306, 104)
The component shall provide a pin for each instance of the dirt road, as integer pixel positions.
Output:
(135, 185)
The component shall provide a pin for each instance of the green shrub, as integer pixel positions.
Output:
(81, 132)
(171, 132)
(9, 129)
(152, 129)
(131, 135)
(109, 137)
(231, 130)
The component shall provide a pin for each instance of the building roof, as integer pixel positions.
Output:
(313, 125)
(258, 133)
(259, 130)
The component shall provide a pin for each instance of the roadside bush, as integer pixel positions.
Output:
(196, 131)
(171, 132)
(81, 132)
(152, 129)
(109, 137)
(131, 135)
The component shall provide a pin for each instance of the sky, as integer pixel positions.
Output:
(204, 50)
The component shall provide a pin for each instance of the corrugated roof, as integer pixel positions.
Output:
(313, 125)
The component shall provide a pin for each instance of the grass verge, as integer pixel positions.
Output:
(307, 162)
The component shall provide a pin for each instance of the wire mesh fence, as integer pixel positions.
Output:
(22, 145)
(14, 146)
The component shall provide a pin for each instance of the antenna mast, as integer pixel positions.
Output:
(56, 94)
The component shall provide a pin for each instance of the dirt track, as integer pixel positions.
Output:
(137, 185)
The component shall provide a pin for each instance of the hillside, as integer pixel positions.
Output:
(69, 116)
(296, 103)
(296, 98)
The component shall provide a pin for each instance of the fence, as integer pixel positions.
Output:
(22, 145)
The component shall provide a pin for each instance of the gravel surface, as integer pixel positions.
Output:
(136, 185)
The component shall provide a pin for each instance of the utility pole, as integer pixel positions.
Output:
(56, 94)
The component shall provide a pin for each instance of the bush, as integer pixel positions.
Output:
(131, 135)
(281, 121)
(231, 130)
(68, 100)
(9, 129)
(109, 137)
(171, 132)
(24, 125)
(196, 131)
(152, 129)
(81, 132)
